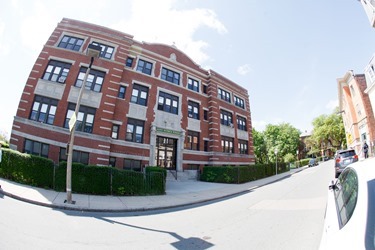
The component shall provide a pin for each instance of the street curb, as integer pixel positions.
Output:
(83, 209)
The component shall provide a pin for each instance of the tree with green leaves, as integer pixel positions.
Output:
(284, 138)
(328, 131)
(260, 148)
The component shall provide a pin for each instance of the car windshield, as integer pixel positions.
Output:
(346, 195)
(347, 153)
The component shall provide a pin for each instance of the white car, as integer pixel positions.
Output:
(350, 213)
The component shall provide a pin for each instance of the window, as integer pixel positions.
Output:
(205, 146)
(44, 109)
(170, 76)
(134, 130)
(112, 161)
(346, 194)
(85, 118)
(192, 140)
(144, 67)
(192, 167)
(227, 144)
(129, 62)
(224, 95)
(239, 102)
(242, 147)
(371, 72)
(205, 89)
(56, 71)
(78, 156)
(106, 51)
(241, 123)
(121, 92)
(168, 103)
(115, 130)
(36, 148)
(139, 95)
(94, 80)
(193, 84)
(205, 115)
(72, 43)
(226, 118)
(134, 165)
(193, 110)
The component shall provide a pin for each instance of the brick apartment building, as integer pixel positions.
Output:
(356, 110)
(144, 104)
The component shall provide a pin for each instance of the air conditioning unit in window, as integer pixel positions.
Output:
(61, 79)
(231, 125)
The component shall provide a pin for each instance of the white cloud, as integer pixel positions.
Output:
(244, 69)
(332, 104)
(161, 23)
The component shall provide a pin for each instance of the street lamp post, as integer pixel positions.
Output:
(93, 51)
(297, 158)
(276, 159)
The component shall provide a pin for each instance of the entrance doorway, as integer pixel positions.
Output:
(166, 152)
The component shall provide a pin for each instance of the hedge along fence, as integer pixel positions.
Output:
(103, 180)
(241, 174)
(100, 180)
(27, 169)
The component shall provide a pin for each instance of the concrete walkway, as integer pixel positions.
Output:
(178, 194)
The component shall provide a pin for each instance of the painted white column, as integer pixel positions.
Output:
(152, 160)
(179, 153)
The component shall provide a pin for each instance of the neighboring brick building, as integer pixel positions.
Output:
(356, 110)
(144, 104)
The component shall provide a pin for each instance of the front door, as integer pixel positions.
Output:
(166, 152)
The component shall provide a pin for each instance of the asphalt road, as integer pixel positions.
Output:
(287, 214)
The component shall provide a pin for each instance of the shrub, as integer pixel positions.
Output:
(99, 180)
(240, 174)
(28, 169)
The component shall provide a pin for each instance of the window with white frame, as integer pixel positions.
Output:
(227, 144)
(224, 95)
(106, 51)
(36, 148)
(239, 102)
(242, 147)
(44, 109)
(129, 62)
(78, 156)
(144, 66)
(134, 130)
(71, 43)
(121, 92)
(241, 123)
(139, 95)
(193, 110)
(115, 130)
(192, 140)
(94, 81)
(170, 76)
(168, 103)
(193, 84)
(85, 118)
(56, 71)
(226, 118)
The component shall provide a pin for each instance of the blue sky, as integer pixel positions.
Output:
(287, 54)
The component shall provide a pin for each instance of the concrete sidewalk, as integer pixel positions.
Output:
(178, 194)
